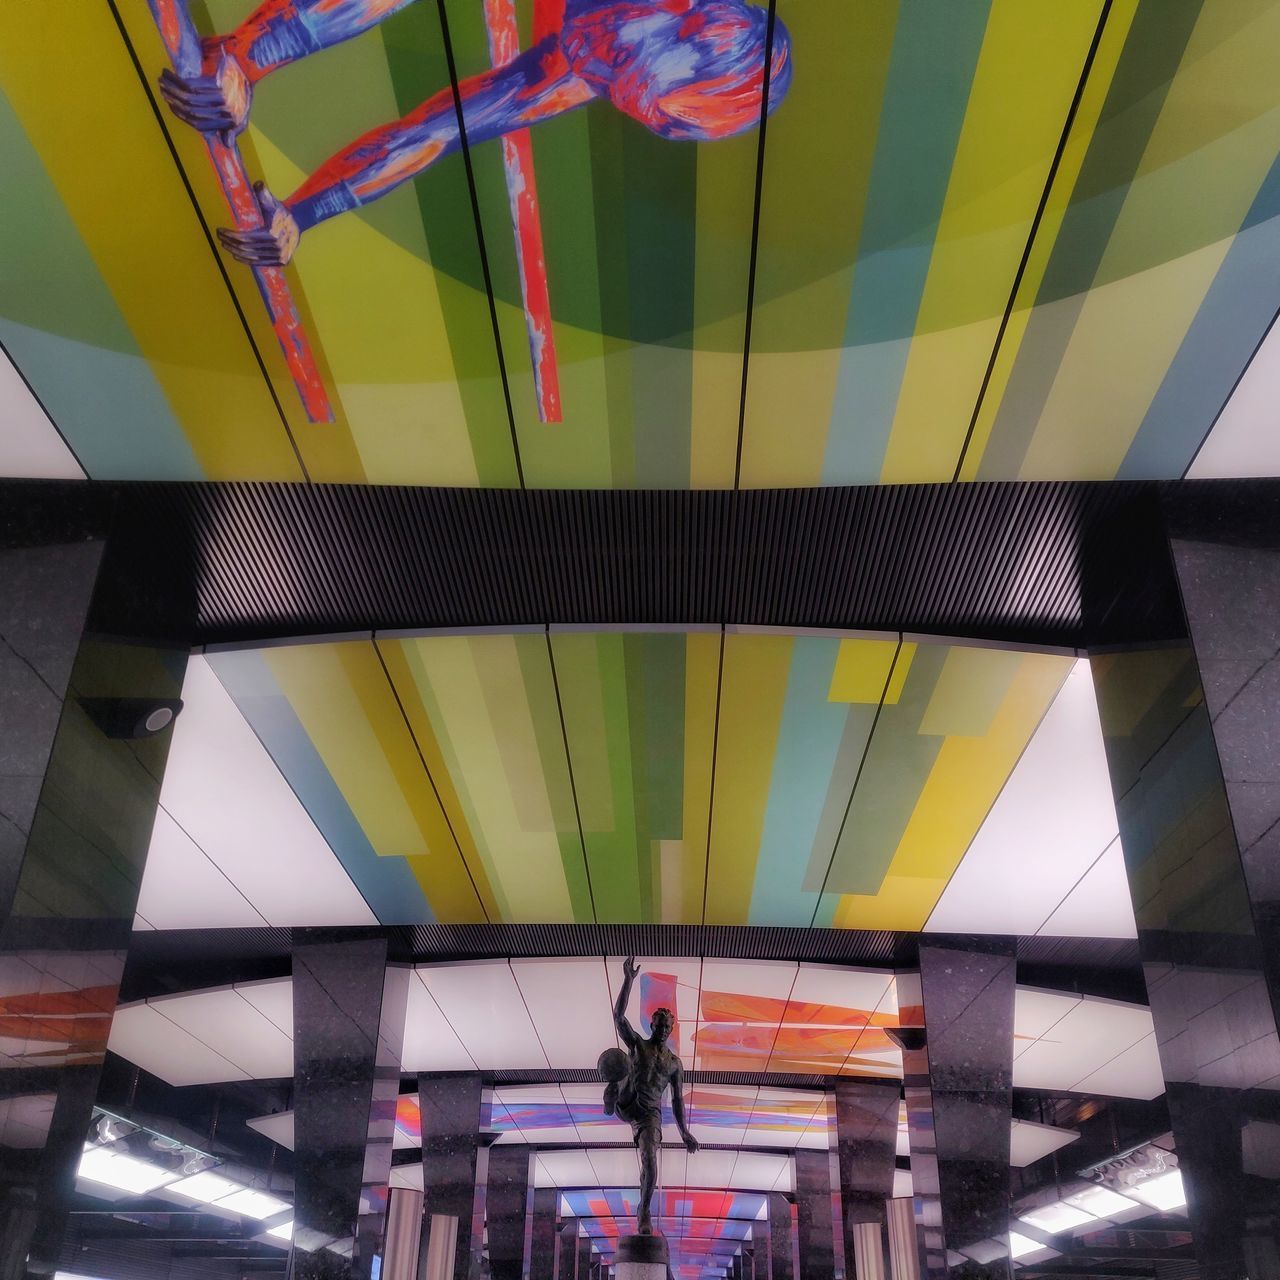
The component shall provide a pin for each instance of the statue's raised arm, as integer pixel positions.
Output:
(626, 1032)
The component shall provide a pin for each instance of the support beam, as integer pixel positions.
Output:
(507, 1210)
(816, 1190)
(781, 1238)
(455, 1169)
(542, 1239)
(866, 1135)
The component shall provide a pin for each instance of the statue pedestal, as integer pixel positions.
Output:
(642, 1258)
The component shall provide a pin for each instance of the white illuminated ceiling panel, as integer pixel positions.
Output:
(184, 889)
(141, 1034)
(278, 1127)
(550, 989)
(222, 1019)
(686, 973)
(1135, 1073)
(1029, 1142)
(429, 1041)
(264, 843)
(273, 998)
(1100, 905)
(484, 1007)
(1083, 1049)
(1049, 825)
(30, 446)
(1245, 440)
(572, 1169)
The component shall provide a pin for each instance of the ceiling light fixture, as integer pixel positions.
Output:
(282, 1232)
(253, 1204)
(1101, 1202)
(205, 1187)
(1165, 1192)
(122, 1172)
(1020, 1246)
(1057, 1217)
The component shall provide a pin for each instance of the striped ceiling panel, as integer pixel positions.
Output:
(978, 239)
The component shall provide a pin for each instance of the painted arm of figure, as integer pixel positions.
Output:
(536, 86)
(677, 1109)
(275, 34)
(625, 1030)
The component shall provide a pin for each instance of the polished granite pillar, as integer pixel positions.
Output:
(79, 785)
(866, 1140)
(583, 1271)
(567, 1251)
(1193, 747)
(507, 1210)
(454, 1109)
(348, 1030)
(959, 1091)
(816, 1225)
(781, 1238)
(542, 1237)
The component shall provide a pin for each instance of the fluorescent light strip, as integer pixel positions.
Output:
(205, 1187)
(1057, 1217)
(1020, 1246)
(253, 1204)
(1100, 1202)
(1165, 1192)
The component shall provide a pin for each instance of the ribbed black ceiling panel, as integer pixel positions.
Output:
(1056, 564)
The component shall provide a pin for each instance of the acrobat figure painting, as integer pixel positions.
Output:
(689, 70)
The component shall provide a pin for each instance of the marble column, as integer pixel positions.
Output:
(959, 1091)
(78, 796)
(455, 1166)
(1193, 747)
(542, 1239)
(507, 1210)
(567, 1251)
(816, 1224)
(866, 1137)
(781, 1239)
(583, 1270)
(348, 1029)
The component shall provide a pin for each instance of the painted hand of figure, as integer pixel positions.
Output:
(629, 967)
(691, 1143)
(271, 245)
(213, 104)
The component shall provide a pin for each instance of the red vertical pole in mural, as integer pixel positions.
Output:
(526, 219)
(185, 52)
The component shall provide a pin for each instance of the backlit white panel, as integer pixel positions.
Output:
(273, 998)
(1245, 441)
(25, 1121)
(279, 1127)
(570, 1169)
(231, 1025)
(1036, 1013)
(142, 1035)
(484, 1007)
(550, 988)
(1081, 1046)
(1049, 824)
(903, 1187)
(224, 790)
(1100, 905)
(30, 447)
(688, 976)
(1029, 1142)
(183, 889)
(1135, 1073)
(410, 1176)
(429, 1041)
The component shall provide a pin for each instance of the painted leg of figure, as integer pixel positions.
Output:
(534, 87)
(275, 34)
(648, 1148)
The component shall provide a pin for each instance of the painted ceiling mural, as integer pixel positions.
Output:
(644, 777)
(944, 286)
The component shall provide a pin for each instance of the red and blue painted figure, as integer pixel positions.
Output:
(689, 70)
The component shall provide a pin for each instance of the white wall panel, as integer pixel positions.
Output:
(226, 1022)
(1051, 821)
(1245, 441)
(224, 790)
(30, 446)
(143, 1035)
(429, 1041)
(486, 1011)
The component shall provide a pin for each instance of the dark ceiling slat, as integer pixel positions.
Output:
(1064, 564)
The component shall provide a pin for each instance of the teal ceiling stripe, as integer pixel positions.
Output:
(935, 56)
(808, 748)
(386, 884)
(1236, 312)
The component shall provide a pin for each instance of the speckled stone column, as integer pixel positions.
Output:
(455, 1171)
(866, 1137)
(542, 1238)
(507, 1209)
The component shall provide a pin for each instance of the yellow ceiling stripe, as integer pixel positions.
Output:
(964, 782)
(701, 674)
(1092, 100)
(94, 129)
(756, 668)
(1027, 75)
(863, 667)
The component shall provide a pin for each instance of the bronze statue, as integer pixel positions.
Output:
(636, 1082)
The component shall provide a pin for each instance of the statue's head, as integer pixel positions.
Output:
(661, 1022)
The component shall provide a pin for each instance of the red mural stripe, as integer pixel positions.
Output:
(186, 53)
(526, 221)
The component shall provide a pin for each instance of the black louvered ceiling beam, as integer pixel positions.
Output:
(1065, 564)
